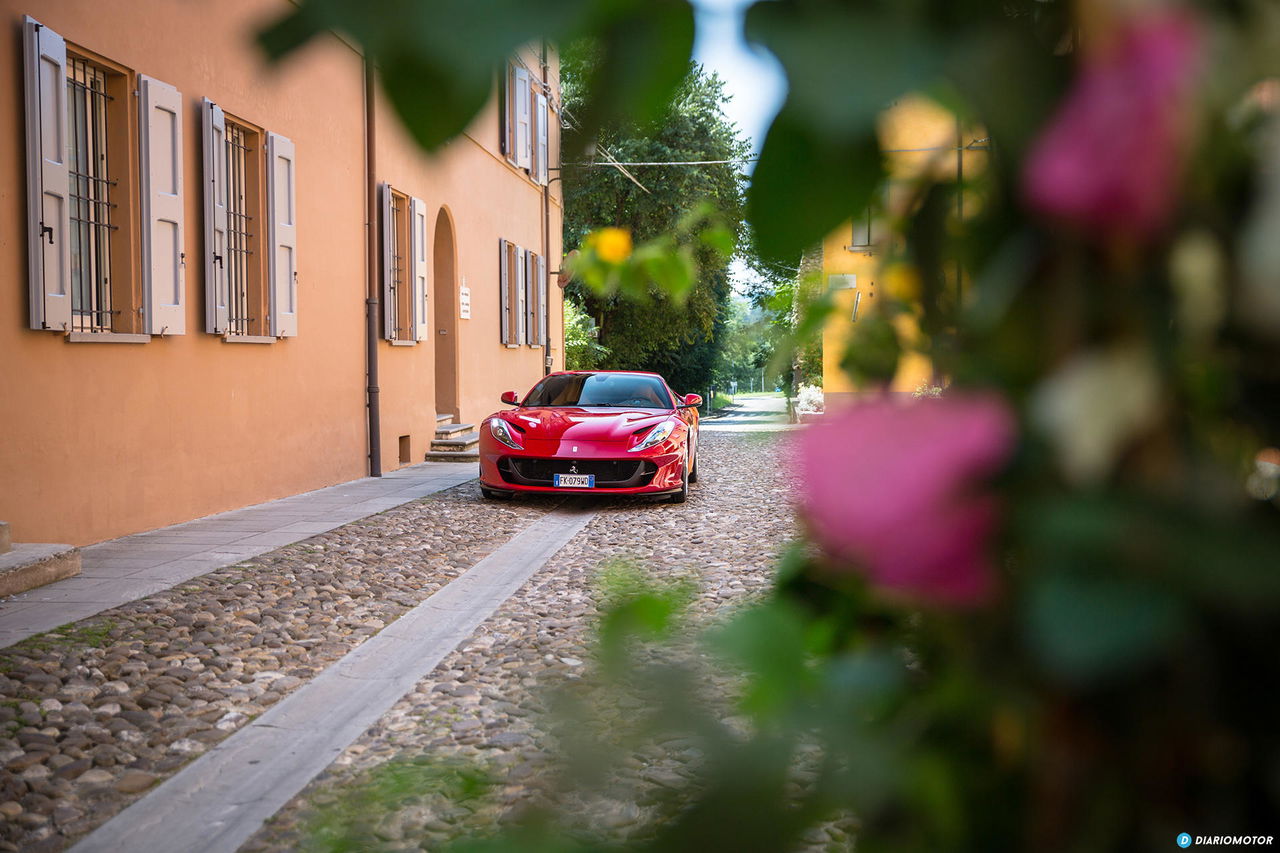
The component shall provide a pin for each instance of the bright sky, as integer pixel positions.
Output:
(751, 75)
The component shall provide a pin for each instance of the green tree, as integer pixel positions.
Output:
(581, 349)
(748, 345)
(680, 338)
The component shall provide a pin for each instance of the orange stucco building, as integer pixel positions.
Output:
(190, 241)
(919, 138)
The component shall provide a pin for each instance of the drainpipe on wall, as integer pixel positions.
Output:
(371, 276)
(546, 222)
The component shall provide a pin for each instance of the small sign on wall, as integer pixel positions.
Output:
(464, 301)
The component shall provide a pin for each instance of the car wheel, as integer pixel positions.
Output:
(682, 495)
(693, 470)
(490, 494)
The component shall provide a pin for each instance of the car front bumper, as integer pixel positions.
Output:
(657, 470)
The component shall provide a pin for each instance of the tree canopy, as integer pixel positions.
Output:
(679, 338)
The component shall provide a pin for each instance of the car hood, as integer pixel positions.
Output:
(583, 424)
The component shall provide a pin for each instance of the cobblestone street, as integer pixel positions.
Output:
(98, 712)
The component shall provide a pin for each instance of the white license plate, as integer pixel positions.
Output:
(575, 481)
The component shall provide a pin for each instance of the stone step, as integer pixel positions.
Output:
(452, 430)
(443, 419)
(28, 566)
(457, 442)
(454, 455)
(5, 541)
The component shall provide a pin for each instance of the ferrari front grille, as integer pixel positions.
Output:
(609, 473)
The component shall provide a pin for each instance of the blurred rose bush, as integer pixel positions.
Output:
(1110, 160)
(879, 469)
(1039, 616)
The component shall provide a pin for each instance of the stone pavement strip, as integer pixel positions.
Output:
(133, 567)
(99, 711)
(485, 707)
(220, 800)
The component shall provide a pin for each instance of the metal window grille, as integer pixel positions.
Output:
(398, 253)
(239, 235)
(90, 195)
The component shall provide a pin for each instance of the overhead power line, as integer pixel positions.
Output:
(975, 145)
(672, 162)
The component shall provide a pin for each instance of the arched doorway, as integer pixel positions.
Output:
(446, 316)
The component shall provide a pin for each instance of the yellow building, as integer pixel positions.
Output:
(920, 138)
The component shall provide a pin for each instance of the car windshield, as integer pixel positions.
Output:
(620, 390)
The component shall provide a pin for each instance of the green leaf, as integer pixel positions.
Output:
(434, 103)
(770, 643)
(644, 49)
(720, 239)
(807, 183)
(1084, 628)
(872, 354)
(820, 162)
(844, 67)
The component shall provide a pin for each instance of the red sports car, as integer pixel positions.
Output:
(614, 432)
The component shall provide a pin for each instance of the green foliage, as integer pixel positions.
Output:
(748, 346)
(796, 310)
(662, 268)
(92, 634)
(347, 819)
(685, 227)
(1107, 696)
(872, 355)
(633, 607)
(582, 350)
(438, 60)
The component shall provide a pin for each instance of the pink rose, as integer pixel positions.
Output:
(895, 488)
(1109, 161)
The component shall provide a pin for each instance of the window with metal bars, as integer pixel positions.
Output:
(243, 299)
(90, 193)
(401, 301)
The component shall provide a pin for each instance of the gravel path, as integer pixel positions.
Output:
(94, 714)
(481, 708)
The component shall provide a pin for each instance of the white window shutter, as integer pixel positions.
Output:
(49, 224)
(282, 263)
(418, 251)
(216, 289)
(388, 263)
(504, 111)
(522, 278)
(531, 298)
(542, 300)
(543, 124)
(504, 295)
(523, 104)
(164, 256)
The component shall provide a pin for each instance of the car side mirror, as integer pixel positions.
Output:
(692, 400)
(509, 397)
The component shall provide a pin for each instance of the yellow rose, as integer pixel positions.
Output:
(901, 281)
(612, 245)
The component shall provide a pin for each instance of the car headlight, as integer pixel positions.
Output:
(503, 433)
(657, 435)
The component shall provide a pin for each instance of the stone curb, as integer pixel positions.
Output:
(27, 566)
(220, 800)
